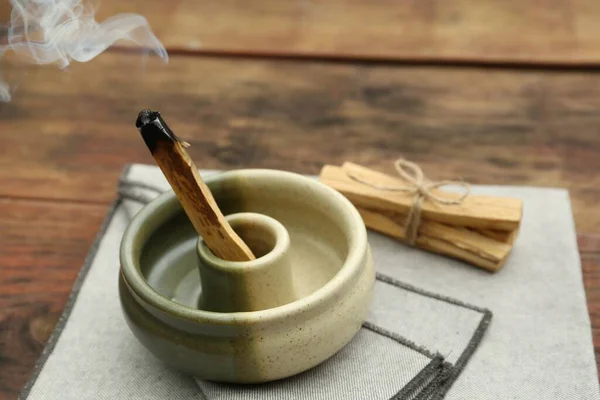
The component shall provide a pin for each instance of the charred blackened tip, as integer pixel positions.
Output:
(145, 117)
(154, 129)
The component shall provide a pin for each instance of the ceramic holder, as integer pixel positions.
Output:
(296, 305)
(260, 284)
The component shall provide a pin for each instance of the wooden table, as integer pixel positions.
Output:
(492, 93)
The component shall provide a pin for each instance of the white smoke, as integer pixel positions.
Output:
(62, 31)
(4, 92)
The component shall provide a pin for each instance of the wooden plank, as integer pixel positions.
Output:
(42, 247)
(67, 135)
(588, 243)
(541, 31)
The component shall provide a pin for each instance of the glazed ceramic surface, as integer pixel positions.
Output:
(260, 284)
(322, 272)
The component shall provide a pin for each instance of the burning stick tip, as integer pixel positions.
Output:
(146, 117)
(154, 129)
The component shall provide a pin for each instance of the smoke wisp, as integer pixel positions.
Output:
(62, 31)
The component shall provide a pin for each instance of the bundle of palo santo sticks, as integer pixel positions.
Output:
(477, 229)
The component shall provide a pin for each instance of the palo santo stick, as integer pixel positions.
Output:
(446, 249)
(507, 237)
(195, 197)
(454, 242)
(381, 179)
(495, 213)
(482, 212)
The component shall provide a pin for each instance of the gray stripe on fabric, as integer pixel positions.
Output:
(444, 382)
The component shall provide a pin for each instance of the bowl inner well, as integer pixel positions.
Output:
(318, 246)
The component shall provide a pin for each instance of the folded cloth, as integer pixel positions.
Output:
(414, 344)
(398, 311)
(371, 367)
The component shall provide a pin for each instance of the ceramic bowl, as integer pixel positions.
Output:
(303, 298)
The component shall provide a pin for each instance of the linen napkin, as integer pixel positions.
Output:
(418, 343)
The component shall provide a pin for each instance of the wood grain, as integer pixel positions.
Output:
(540, 31)
(463, 244)
(197, 200)
(42, 247)
(477, 212)
(68, 134)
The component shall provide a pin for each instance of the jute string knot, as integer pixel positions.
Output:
(422, 189)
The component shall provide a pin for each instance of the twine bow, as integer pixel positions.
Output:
(420, 187)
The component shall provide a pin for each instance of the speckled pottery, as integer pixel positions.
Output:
(303, 298)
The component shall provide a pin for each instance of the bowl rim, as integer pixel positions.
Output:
(280, 234)
(356, 256)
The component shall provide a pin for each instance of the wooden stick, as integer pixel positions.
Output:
(480, 230)
(195, 197)
(481, 212)
(507, 237)
(454, 242)
(504, 236)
